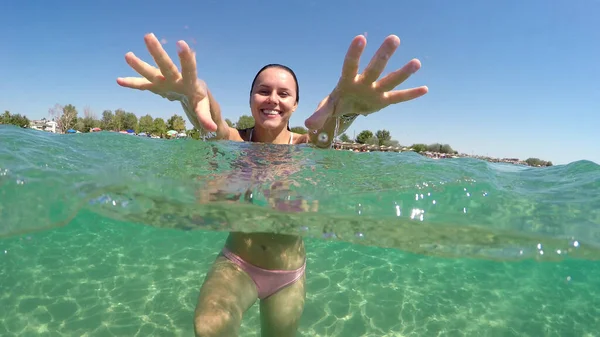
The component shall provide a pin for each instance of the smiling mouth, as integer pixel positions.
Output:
(270, 113)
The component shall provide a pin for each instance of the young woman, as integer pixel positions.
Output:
(267, 266)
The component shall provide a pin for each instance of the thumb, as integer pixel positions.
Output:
(202, 110)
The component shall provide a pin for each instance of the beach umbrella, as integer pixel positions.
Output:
(96, 129)
(171, 132)
(71, 131)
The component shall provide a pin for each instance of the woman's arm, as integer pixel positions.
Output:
(361, 94)
(224, 131)
(334, 125)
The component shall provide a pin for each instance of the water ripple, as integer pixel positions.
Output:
(453, 207)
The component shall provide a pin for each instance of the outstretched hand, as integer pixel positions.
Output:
(168, 82)
(363, 93)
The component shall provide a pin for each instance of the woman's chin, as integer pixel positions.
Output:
(273, 123)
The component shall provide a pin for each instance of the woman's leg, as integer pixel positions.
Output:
(227, 292)
(280, 313)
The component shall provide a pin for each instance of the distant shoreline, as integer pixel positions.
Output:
(357, 147)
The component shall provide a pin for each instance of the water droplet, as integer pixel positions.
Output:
(417, 213)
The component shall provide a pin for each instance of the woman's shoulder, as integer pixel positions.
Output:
(242, 134)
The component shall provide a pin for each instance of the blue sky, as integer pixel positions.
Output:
(506, 78)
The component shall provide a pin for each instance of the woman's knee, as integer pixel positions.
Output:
(217, 322)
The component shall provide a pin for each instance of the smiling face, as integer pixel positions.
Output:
(273, 98)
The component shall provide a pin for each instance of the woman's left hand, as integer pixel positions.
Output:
(363, 93)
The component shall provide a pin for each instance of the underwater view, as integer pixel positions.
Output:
(103, 234)
(300, 168)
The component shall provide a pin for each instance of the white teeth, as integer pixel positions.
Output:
(270, 112)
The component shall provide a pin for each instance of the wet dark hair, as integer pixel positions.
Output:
(280, 66)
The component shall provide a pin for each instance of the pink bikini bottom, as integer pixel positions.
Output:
(267, 282)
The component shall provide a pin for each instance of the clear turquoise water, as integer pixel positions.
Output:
(102, 236)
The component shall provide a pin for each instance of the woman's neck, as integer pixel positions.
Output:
(273, 136)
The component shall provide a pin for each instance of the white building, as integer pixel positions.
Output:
(43, 125)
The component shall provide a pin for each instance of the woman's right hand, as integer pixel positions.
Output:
(168, 82)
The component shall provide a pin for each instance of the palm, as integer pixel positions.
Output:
(168, 82)
(365, 93)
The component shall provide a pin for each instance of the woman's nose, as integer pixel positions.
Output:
(272, 97)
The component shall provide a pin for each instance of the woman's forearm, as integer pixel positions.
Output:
(223, 129)
(334, 126)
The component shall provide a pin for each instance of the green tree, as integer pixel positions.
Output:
(107, 122)
(130, 121)
(21, 120)
(5, 118)
(89, 120)
(176, 123)
(441, 148)
(537, 162)
(146, 124)
(364, 136)
(392, 142)
(419, 148)
(64, 116)
(193, 133)
(344, 138)
(80, 125)
(299, 129)
(245, 122)
(382, 136)
(230, 123)
(159, 128)
(119, 120)
(16, 119)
